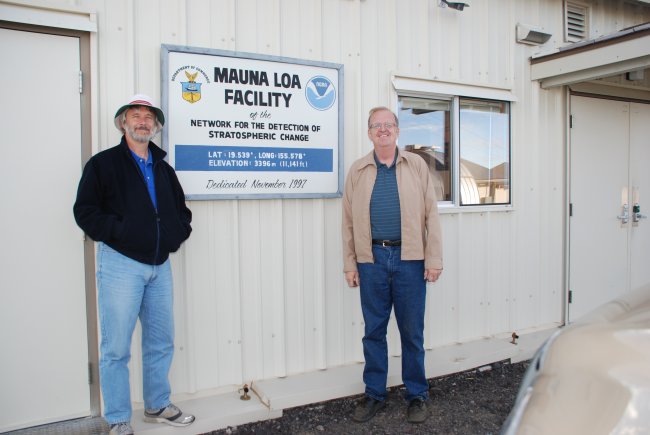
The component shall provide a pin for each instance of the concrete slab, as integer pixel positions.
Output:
(214, 412)
(270, 397)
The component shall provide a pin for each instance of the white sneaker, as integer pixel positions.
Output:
(170, 415)
(121, 429)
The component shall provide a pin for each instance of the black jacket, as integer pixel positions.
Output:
(113, 205)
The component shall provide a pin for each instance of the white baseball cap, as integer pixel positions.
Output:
(135, 101)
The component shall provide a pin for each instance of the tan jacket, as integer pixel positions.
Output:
(421, 236)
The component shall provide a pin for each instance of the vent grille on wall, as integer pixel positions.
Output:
(576, 22)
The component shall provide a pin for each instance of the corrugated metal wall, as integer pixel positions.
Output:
(259, 286)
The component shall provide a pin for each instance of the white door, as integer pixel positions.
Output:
(608, 161)
(640, 183)
(44, 364)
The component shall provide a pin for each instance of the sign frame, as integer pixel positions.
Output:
(170, 89)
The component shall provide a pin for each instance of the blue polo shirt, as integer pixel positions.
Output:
(385, 219)
(146, 167)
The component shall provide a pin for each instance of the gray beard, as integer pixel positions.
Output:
(142, 138)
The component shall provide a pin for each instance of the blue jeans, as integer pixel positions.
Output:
(129, 290)
(386, 283)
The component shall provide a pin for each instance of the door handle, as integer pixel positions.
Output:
(636, 213)
(625, 217)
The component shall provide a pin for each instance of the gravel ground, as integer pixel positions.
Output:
(468, 403)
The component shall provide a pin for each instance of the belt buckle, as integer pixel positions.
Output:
(385, 243)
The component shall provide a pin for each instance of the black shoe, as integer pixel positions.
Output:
(417, 411)
(366, 409)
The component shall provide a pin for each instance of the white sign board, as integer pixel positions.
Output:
(241, 125)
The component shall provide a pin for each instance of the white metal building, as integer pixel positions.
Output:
(259, 289)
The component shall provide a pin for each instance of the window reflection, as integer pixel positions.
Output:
(484, 152)
(425, 129)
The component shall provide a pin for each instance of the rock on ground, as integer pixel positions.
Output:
(472, 402)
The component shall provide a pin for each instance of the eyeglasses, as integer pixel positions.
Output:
(387, 125)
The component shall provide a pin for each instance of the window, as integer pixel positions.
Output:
(465, 142)
(484, 152)
(425, 129)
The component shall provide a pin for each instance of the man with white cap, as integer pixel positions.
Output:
(130, 201)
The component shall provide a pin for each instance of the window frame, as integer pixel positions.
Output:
(416, 87)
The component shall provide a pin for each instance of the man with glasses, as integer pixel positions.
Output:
(391, 248)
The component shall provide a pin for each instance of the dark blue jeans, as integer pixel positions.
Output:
(389, 283)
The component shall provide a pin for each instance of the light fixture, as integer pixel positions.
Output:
(453, 5)
(528, 34)
(635, 75)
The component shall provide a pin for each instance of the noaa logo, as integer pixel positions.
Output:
(191, 89)
(320, 93)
